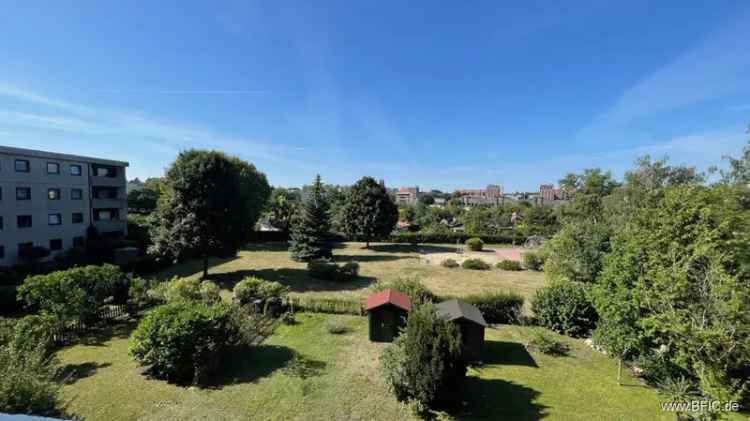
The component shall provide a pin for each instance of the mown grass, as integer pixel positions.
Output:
(303, 372)
(382, 262)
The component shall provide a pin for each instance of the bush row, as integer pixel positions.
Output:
(325, 305)
(452, 238)
(498, 307)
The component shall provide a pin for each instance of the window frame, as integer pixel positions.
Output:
(73, 197)
(57, 164)
(28, 165)
(18, 221)
(28, 197)
(80, 170)
(54, 189)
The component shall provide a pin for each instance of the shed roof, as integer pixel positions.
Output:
(388, 296)
(456, 309)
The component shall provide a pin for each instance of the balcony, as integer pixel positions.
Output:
(109, 203)
(107, 181)
(111, 225)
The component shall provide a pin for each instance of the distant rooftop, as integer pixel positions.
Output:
(31, 153)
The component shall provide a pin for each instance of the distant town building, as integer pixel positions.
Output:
(407, 195)
(492, 195)
(548, 194)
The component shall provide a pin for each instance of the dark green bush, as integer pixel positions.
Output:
(474, 244)
(27, 383)
(425, 364)
(475, 264)
(251, 288)
(449, 263)
(413, 287)
(511, 265)
(329, 271)
(498, 307)
(533, 260)
(548, 345)
(179, 340)
(565, 308)
(192, 289)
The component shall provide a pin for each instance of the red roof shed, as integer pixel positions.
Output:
(388, 296)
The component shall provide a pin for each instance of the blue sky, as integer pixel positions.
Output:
(458, 95)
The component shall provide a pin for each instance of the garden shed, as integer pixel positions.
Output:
(387, 311)
(470, 321)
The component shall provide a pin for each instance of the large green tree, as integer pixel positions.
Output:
(281, 209)
(311, 227)
(209, 206)
(369, 214)
(677, 280)
(144, 198)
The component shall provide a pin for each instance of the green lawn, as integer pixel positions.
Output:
(382, 262)
(303, 372)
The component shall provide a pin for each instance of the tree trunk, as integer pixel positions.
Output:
(619, 372)
(205, 266)
(367, 244)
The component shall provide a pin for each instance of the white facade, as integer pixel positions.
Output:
(49, 200)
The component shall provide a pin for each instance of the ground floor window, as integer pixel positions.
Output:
(55, 244)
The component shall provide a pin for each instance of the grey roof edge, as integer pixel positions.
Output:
(458, 309)
(32, 153)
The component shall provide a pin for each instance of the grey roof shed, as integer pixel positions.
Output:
(470, 321)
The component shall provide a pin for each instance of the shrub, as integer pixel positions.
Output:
(475, 264)
(512, 265)
(565, 308)
(336, 326)
(498, 307)
(75, 293)
(424, 364)
(251, 288)
(320, 269)
(178, 340)
(326, 305)
(192, 289)
(548, 345)
(533, 261)
(474, 244)
(139, 292)
(288, 318)
(452, 238)
(449, 263)
(27, 384)
(413, 287)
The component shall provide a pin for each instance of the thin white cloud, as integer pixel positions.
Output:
(715, 68)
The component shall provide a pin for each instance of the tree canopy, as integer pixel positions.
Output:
(369, 214)
(311, 227)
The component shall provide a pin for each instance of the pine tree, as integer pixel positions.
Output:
(311, 226)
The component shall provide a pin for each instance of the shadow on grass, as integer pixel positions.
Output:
(501, 400)
(297, 280)
(269, 246)
(507, 353)
(243, 365)
(191, 267)
(71, 373)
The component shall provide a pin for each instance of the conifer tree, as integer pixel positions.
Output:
(311, 226)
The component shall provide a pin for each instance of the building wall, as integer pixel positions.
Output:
(40, 207)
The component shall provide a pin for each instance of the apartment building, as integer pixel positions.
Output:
(407, 195)
(49, 200)
(549, 194)
(492, 195)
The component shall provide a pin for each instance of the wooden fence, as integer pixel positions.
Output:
(72, 329)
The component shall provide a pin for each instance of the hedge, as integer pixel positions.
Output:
(452, 238)
(325, 305)
(498, 307)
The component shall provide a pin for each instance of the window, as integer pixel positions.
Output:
(104, 170)
(1, 193)
(75, 169)
(54, 219)
(76, 194)
(53, 194)
(23, 193)
(105, 214)
(77, 217)
(53, 168)
(24, 221)
(1, 223)
(2, 252)
(22, 165)
(78, 242)
(55, 244)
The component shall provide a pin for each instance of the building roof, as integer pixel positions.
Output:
(61, 156)
(388, 296)
(456, 309)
